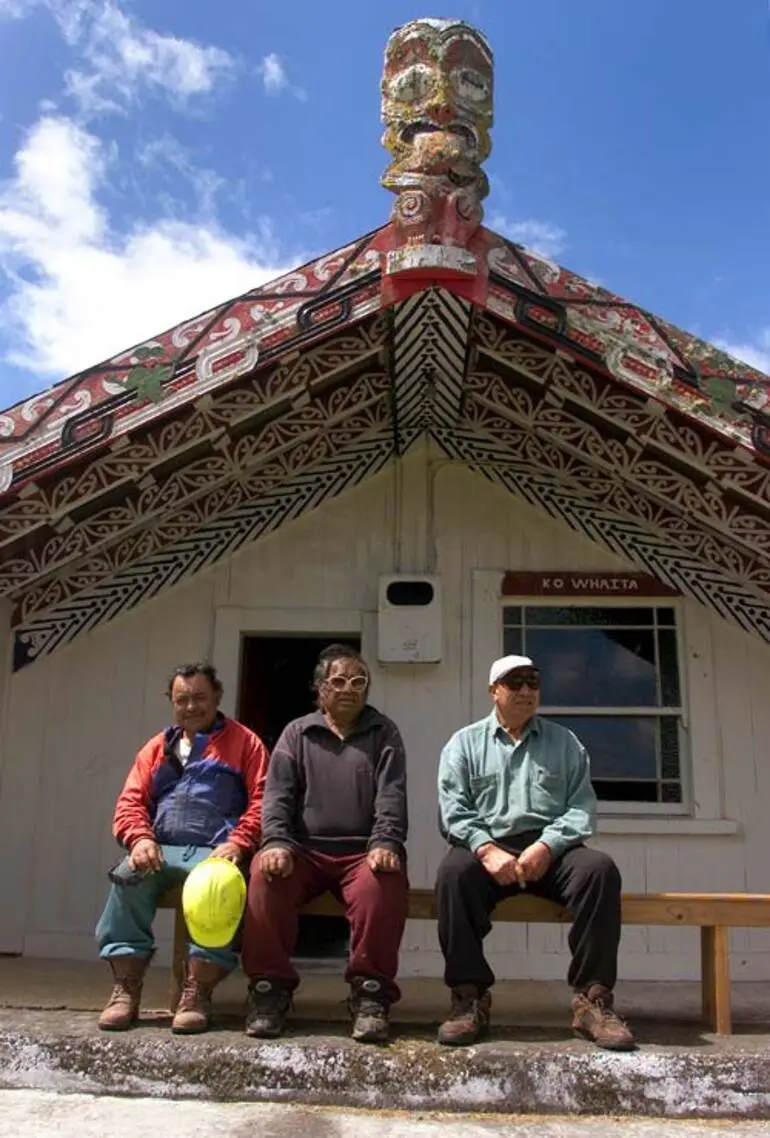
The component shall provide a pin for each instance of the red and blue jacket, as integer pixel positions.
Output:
(215, 797)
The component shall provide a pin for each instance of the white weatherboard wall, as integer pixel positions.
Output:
(75, 720)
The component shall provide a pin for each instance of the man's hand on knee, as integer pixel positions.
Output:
(229, 851)
(381, 860)
(146, 856)
(499, 864)
(276, 862)
(533, 862)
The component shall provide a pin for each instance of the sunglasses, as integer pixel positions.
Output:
(516, 683)
(341, 683)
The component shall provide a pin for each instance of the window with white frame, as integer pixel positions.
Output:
(612, 675)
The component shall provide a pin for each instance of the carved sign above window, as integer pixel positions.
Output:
(563, 583)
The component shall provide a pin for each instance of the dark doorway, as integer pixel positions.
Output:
(276, 687)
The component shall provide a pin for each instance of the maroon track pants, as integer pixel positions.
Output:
(375, 905)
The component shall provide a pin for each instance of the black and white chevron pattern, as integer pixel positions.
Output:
(430, 349)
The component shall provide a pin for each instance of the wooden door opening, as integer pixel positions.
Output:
(275, 687)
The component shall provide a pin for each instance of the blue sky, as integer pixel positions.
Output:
(156, 159)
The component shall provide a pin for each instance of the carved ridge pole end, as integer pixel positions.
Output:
(437, 108)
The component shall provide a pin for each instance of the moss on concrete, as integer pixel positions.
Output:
(66, 1051)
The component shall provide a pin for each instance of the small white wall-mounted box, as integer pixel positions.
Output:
(409, 624)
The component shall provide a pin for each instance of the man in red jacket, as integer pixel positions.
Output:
(194, 791)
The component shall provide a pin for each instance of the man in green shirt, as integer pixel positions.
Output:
(516, 804)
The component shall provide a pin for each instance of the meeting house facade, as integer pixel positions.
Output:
(439, 446)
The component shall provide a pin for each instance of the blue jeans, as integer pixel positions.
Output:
(125, 926)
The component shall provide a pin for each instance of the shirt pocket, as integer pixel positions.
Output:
(484, 792)
(547, 793)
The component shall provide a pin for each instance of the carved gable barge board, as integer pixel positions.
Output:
(724, 397)
(129, 460)
(657, 440)
(258, 464)
(171, 481)
(223, 536)
(507, 443)
(78, 416)
(668, 488)
(677, 435)
(619, 533)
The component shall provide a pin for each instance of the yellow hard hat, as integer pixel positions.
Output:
(213, 900)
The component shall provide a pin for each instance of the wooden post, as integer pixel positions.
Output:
(179, 957)
(715, 978)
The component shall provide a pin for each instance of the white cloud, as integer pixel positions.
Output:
(755, 355)
(16, 9)
(119, 56)
(205, 183)
(543, 237)
(274, 77)
(86, 92)
(79, 290)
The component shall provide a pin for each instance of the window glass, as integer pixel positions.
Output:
(605, 662)
(595, 667)
(582, 615)
(619, 746)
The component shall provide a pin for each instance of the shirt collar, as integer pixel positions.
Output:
(534, 727)
(368, 719)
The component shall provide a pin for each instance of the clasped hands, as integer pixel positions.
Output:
(515, 869)
(278, 861)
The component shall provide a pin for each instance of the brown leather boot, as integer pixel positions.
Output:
(595, 1018)
(468, 1016)
(193, 1011)
(122, 1009)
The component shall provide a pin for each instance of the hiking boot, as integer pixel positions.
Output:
(268, 1005)
(468, 1016)
(122, 1009)
(193, 1012)
(368, 1005)
(595, 1018)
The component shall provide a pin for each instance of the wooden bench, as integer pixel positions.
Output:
(713, 913)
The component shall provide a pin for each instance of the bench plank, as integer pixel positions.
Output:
(713, 913)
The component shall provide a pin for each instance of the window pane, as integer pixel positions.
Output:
(668, 662)
(592, 667)
(512, 642)
(620, 747)
(669, 747)
(667, 616)
(671, 792)
(609, 791)
(511, 616)
(584, 616)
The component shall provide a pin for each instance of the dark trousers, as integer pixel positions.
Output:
(584, 881)
(375, 905)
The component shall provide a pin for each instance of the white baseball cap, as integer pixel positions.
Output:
(508, 664)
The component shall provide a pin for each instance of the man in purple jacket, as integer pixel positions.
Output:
(334, 818)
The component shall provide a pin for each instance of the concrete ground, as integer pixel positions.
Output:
(530, 1064)
(35, 1114)
(666, 1011)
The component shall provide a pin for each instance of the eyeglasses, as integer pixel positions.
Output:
(516, 683)
(340, 683)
